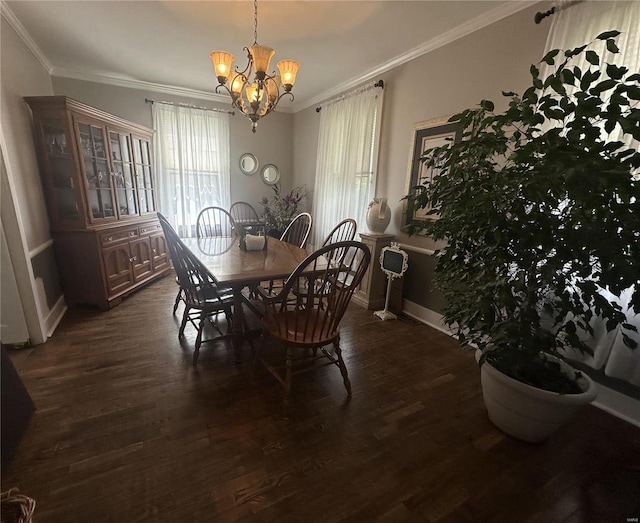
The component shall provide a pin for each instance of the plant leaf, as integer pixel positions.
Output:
(535, 72)
(549, 57)
(592, 57)
(575, 51)
(615, 72)
(603, 86)
(632, 344)
(487, 105)
(607, 34)
(633, 92)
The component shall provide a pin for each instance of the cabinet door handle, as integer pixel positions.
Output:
(109, 238)
(132, 259)
(155, 251)
(131, 233)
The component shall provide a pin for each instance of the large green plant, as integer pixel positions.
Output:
(539, 208)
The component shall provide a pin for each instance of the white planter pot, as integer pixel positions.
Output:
(526, 412)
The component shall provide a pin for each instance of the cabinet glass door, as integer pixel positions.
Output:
(142, 152)
(96, 171)
(64, 201)
(123, 177)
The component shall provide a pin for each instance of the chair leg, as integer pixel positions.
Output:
(185, 318)
(177, 302)
(229, 317)
(196, 351)
(343, 367)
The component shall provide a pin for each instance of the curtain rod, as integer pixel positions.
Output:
(541, 15)
(379, 83)
(214, 109)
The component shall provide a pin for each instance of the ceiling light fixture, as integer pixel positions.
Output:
(254, 92)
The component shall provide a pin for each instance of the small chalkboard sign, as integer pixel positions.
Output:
(394, 263)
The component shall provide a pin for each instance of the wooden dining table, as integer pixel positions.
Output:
(237, 269)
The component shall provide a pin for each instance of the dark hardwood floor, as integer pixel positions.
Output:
(126, 429)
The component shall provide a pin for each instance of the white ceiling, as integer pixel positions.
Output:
(164, 45)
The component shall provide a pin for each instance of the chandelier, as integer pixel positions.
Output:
(253, 91)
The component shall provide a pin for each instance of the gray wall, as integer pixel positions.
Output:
(24, 217)
(440, 83)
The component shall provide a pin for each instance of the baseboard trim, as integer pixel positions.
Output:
(426, 316)
(609, 400)
(618, 405)
(55, 316)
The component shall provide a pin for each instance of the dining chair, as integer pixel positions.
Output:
(204, 299)
(345, 231)
(312, 320)
(215, 221)
(297, 232)
(243, 212)
(212, 222)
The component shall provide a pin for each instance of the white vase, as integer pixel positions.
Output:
(528, 413)
(378, 216)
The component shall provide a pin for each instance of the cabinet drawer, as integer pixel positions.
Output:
(149, 228)
(118, 236)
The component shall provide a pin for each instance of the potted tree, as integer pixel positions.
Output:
(540, 211)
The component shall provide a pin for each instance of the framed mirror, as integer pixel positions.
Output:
(270, 174)
(248, 163)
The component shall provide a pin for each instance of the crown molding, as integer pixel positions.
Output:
(480, 22)
(137, 84)
(147, 86)
(17, 26)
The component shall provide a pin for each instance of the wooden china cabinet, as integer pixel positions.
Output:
(97, 173)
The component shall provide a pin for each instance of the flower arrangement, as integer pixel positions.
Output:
(280, 210)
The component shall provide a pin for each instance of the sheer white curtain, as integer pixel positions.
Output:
(192, 162)
(578, 24)
(347, 157)
(572, 27)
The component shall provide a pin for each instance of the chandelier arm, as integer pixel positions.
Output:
(246, 72)
(291, 97)
(272, 76)
(226, 89)
(236, 100)
(270, 106)
(242, 106)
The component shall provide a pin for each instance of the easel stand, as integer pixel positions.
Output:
(393, 261)
(385, 314)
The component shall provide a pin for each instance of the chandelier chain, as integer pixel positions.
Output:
(255, 22)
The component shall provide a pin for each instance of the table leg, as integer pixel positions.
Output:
(237, 329)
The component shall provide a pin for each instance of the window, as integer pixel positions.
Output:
(193, 163)
(347, 158)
